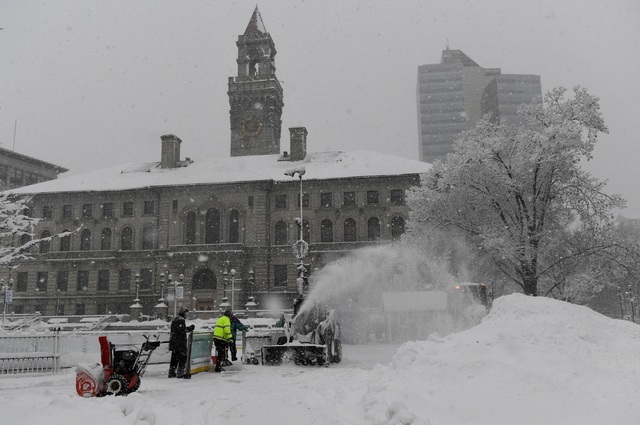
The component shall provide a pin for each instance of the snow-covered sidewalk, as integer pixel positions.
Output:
(531, 361)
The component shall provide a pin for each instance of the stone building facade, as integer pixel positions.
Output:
(221, 230)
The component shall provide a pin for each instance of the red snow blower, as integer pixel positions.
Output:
(122, 367)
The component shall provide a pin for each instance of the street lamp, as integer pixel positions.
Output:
(7, 297)
(177, 295)
(225, 277)
(233, 288)
(301, 247)
(58, 293)
(137, 279)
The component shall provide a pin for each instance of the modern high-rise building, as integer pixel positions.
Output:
(455, 93)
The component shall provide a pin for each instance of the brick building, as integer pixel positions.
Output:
(215, 225)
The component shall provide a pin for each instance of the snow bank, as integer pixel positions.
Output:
(531, 361)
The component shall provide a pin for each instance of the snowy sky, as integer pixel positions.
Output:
(93, 84)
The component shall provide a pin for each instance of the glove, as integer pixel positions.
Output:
(191, 328)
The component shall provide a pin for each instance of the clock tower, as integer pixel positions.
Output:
(255, 94)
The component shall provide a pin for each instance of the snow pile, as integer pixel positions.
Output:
(531, 361)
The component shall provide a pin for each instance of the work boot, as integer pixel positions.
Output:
(234, 358)
(172, 373)
(218, 369)
(187, 376)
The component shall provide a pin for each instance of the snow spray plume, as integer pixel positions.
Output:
(361, 277)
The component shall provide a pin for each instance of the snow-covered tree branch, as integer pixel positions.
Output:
(519, 195)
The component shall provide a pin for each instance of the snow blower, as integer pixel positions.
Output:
(122, 367)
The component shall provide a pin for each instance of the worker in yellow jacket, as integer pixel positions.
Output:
(222, 337)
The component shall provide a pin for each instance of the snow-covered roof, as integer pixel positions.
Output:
(317, 166)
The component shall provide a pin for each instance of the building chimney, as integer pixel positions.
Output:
(298, 142)
(170, 151)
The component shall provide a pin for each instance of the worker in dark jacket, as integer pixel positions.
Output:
(236, 325)
(178, 346)
(222, 337)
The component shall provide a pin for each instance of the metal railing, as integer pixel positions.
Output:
(30, 353)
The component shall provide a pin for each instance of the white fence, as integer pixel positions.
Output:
(30, 353)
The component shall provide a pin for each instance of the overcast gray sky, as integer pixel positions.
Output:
(95, 83)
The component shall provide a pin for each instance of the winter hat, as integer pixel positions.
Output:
(183, 312)
(228, 313)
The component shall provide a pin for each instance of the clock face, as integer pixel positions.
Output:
(251, 125)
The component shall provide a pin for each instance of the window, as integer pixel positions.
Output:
(234, 226)
(45, 243)
(397, 196)
(82, 284)
(41, 284)
(87, 210)
(103, 280)
(105, 239)
(326, 199)
(60, 308)
(107, 210)
(280, 275)
(281, 201)
(63, 280)
(47, 212)
(397, 227)
(350, 234)
(250, 201)
(85, 240)
(127, 209)
(326, 231)
(149, 208)
(281, 233)
(373, 197)
(305, 200)
(65, 241)
(67, 211)
(174, 206)
(148, 237)
(212, 226)
(80, 310)
(24, 240)
(126, 239)
(190, 234)
(22, 282)
(16, 177)
(30, 178)
(349, 199)
(204, 279)
(124, 280)
(306, 231)
(373, 229)
(146, 279)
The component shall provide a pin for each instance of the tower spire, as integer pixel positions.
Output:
(255, 26)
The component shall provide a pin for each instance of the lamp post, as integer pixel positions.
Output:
(58, 293)
(301, 247)
(7, 297)
(177, 295)
(621, 303)
(137, 279)
(631, 303)
(233, 288)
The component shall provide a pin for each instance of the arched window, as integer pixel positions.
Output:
(281, 233)
(105, 239)
(25, 239)
(126, 239)
(212, 226)
(204, 279)
(350, 234)
(190, 234)
(65, 242)
(326, 231)
(148, 237)
(397, 227)
(45, 243)
(373, 229)
(85, 240)
(234, 226)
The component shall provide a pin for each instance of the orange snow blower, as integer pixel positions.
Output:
(122, 367)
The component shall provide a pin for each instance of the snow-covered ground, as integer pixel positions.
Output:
(531, 361)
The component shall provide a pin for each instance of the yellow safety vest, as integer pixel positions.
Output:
(222, 330)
